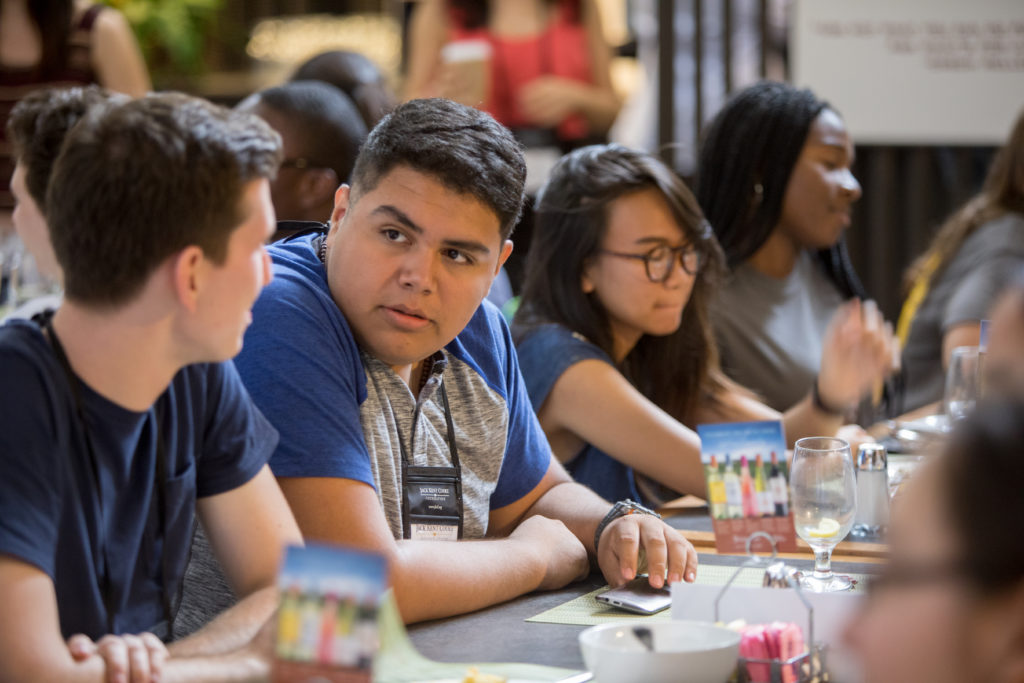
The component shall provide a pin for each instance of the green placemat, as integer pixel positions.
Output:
(398, 661)
(587, 611)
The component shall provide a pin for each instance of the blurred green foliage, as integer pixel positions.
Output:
(171, 33)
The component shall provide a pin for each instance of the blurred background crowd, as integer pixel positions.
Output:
(646, 86)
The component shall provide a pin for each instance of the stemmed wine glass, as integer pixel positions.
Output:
(824, 500)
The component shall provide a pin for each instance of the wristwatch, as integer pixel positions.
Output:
(621, 509)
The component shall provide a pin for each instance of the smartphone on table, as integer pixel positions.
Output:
(638, 597)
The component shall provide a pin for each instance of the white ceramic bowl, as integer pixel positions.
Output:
(684, 652)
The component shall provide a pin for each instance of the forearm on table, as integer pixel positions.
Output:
(576, 506)
(237, 667)
(434, 579)
(53, 668)
(232, 629)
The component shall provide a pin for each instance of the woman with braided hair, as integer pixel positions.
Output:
(774, 181)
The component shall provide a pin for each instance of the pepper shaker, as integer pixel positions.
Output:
(872, 491)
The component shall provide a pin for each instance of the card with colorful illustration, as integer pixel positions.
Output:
(747, 478)
(327, 619)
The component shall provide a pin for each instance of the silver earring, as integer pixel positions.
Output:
(758, 193)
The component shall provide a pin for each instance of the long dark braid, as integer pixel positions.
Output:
(746, 159)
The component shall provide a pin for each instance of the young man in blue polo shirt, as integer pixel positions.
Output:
(119, 419)
(405, 426)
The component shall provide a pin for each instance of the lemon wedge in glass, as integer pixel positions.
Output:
(827, 528)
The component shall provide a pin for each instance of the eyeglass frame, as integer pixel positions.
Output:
(678, 254)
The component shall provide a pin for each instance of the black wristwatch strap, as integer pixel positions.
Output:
(820, 404)
(621, 509)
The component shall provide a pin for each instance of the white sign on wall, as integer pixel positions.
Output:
(914, 71)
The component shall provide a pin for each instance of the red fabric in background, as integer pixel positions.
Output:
(560, 51)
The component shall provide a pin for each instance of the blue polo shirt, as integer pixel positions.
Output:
(341, 412)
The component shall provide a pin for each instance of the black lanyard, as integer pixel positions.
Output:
(448, 479)
(450, 429)
(103, 572)
(432, 496)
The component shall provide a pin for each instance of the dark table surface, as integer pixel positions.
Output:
(501, 633)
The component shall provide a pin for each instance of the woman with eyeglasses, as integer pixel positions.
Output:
(612, 332)
(949, 606)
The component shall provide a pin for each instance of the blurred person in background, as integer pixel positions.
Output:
(53, 42)
(61, 42)
(548, 66)
(546, 76)
(356, 76)
(774, 181)
(954, 284)
(613, 336)
(949, 606)
(1004, 361)
(321, 132)
(36, 128)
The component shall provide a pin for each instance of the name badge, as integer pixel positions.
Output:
(432, 504)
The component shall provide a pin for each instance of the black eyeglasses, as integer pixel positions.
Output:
(658, 261)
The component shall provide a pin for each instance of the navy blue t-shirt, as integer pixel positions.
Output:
(52, 516)
(545, 353)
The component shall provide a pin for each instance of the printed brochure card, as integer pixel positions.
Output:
(748, 484)
(327, 619)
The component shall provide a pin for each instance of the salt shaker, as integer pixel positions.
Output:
(872, 491)
(780, 575)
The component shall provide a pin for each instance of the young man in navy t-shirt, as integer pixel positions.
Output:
(120, 419)
(405, 427)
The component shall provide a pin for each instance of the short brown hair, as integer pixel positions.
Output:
(138, 182)
(38, 125)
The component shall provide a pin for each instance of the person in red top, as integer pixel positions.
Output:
(548, 66)
(545, 75)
